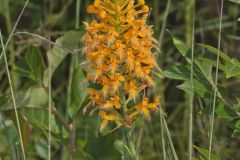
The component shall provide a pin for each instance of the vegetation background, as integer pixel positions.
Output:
(44, 42)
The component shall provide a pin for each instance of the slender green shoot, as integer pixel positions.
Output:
(216, 83)
(162, 134)
(169, 137)
(13, 97)
(49, 107)
(190, 147)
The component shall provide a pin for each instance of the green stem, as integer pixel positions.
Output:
(190, 144)
(190, 12)
(13, 97)
(162, 134)
(78, 3)
(49, 108)
(130, 144)
(127, 135)
(216, 83)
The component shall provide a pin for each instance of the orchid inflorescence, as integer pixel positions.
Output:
(118, 47)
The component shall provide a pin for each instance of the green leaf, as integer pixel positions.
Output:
(39, 118)
(3, 100)
(31, 98)
(206, 69)
(120, 146)
(35, 62)
(181, 46)
(79, 91)
(104, 152)
(212, 62)
(24, 125)
(34, 101)
(236, 132)
(32, 66)
(232, 68)
(215, 50)
(25, 129)
(179, 72)
(41, 150)
(56, 55)
(225, 111)
(205, 153)
(198, 87)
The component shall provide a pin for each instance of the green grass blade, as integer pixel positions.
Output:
(49, 107)
(162, 135)
(190, 145)
(216, 82)
(168, 136)
(13, 97)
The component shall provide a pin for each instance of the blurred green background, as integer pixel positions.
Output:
(61, 21)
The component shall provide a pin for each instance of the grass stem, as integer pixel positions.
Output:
(190, 147)
(216, 83)
(49, 106)
(13, 98)
(77, 13)
(162, 134)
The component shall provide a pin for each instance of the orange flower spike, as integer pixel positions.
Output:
(119, 52)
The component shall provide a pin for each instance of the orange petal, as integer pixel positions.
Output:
(103, 125)
(145, 9)
(91, 9)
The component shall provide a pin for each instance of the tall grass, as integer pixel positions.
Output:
(216, 83)
(49, 106)
(190, 145)
(13, 97)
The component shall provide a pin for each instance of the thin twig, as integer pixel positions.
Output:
(13, 97)
(216, 83)
(47, 40)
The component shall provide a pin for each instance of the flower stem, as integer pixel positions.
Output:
(133, 155)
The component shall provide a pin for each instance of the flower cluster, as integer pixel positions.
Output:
(118, 47)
